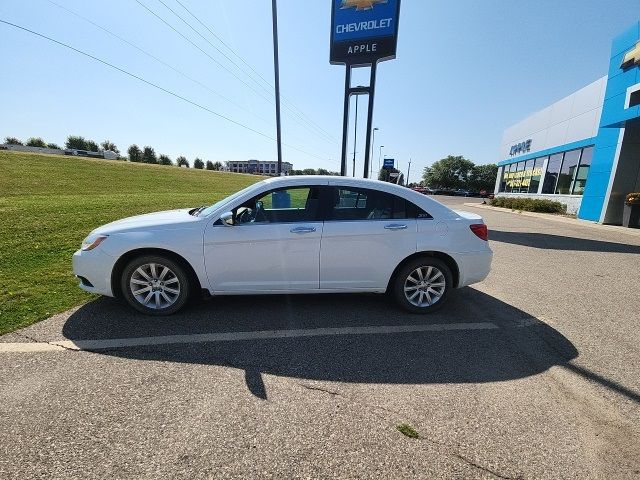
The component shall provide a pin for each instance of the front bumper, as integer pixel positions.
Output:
(95, 268)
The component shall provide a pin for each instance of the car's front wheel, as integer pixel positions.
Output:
(155, 285)
(422, 285)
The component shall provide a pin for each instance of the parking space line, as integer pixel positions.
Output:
(103, 344)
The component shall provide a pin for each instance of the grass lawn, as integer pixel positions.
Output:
(49, 203)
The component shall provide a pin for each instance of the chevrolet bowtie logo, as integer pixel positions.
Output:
(632, 57)
(361, 4)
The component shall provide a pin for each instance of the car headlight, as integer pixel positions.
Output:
(92, 241)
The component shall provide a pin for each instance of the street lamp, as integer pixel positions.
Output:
(373, 143)
(379, 157)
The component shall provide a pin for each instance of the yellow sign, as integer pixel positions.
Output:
(361, 4)
(632, 57)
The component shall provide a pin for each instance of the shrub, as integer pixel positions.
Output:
(135, 154)
(109, 145)
(633, 199)
(529, 204)
(12, 141)
(149, 155)
(209, 165)
(199, 164)
(164, 160)
(36, 142)
(76, 143)
(92, 146)
(53, 145)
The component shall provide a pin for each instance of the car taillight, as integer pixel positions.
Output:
(481, 231)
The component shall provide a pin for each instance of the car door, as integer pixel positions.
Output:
(273, 244)
(366, 234)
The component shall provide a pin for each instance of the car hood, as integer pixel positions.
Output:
(166, 220)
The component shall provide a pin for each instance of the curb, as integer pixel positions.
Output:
(571, 221)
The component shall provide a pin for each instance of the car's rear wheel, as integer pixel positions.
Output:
(155, 285)
(422, 285)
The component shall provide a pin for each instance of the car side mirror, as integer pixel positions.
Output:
(227, 219)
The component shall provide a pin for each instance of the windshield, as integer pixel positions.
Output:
(215, 206)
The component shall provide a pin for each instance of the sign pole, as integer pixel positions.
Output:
(372, 90)
(276, 72)
(345, 121)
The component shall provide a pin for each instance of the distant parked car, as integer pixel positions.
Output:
(461, 192)
(300, 234)
(423, 190)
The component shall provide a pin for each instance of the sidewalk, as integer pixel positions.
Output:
(557, 218)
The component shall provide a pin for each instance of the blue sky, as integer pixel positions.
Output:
(465, 71)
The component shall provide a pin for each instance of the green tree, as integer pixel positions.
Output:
(36, 142)
(12, 141)
(149, 155)
(448, 172)
(108, 145)
(182, 162)
(322, 171)
(76, 142)
(309, 171)
(197, 163)
(53, 145)
(135, 154)
(209, 165)
(92, 146)
(164, 160)
(217, 166)
(483, 177)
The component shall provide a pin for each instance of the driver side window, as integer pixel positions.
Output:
(285, 205)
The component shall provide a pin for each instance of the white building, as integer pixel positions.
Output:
(258, 167)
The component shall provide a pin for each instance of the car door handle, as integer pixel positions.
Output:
(303, 230)
(396, 226)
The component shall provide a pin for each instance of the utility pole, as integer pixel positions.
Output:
(276, 72)
(379, 158)
(355, 138)
(408, 171)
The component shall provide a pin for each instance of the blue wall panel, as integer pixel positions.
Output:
(614, 116)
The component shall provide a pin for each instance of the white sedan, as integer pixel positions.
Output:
(303, 234)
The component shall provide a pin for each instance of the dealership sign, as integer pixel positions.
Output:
(521, 147)
(364, 32)
(389, 163)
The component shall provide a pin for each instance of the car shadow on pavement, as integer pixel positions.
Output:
(560, 242)
(482, 339)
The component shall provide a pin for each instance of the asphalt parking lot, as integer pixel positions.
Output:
(534, 373)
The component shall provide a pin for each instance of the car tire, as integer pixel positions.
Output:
(423, 285)
(155, 285)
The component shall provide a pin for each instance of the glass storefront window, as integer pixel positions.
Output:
(534, 183)
(553, 170)
(583, 171)
(568, 172)
(526, 178)
(509, 170)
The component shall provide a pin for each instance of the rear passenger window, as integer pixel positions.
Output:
(364, 204)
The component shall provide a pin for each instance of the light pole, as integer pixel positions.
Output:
(379, 157)
(276, 74)
(355, 138)
(373, 146)
(408, 172)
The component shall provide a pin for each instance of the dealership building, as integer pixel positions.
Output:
(584, 150)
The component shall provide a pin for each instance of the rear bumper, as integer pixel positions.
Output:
(474, 266)
(95, 269)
